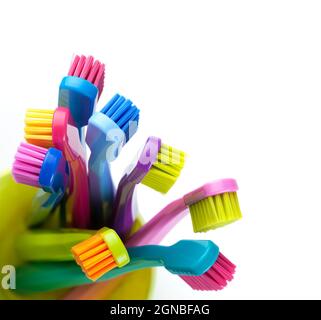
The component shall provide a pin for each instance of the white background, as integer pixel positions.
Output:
(236, 84)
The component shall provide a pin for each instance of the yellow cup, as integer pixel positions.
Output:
(15, 203)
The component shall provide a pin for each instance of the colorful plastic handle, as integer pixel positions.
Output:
(66, 138)
(105, 140)
(43, 204)
(124, 206)
(187, 257)
(155, 229)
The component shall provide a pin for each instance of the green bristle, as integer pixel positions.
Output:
(165, 171)
(214, 212)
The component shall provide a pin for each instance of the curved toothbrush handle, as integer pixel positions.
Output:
(101, 188)
(124, 216)
(186, 257)
(43, 204)
(49, 245)
(155, 229)
(48, 276)
(124, 210)
(80, 194)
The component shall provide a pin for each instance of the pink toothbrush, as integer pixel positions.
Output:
(225, 209)
(48, 128)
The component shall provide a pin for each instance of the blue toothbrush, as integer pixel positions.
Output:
(108, 130)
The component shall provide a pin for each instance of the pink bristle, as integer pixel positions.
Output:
(73, 65)
(80, 66)
(31, 147)
(87, 67)
(216, 278)
(27, 165)
(100, 79)
(90, 70)
(93, 72)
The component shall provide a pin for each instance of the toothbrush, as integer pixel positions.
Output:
(95, 252)
(107, 131)
(47, 128)
(42, 168)
(216, 204)
(49, 245)
(158, 166)
(213, 205)
(106, 250)
(100, 254)
(81, 88)
(185, 258)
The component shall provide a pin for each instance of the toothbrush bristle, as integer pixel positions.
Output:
(89, 69)
(214, 212)
(27, 165)
(94, 257)
(216, 278)
(124, 113)
(165, 171)
(38, 127)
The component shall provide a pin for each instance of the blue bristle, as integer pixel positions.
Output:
(110, 103)
(121, 111)
(114, 107)
(133, 117)
(126, 116)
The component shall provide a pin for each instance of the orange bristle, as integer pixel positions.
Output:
(94, 257)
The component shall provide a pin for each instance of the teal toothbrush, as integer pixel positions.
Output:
(186, 258)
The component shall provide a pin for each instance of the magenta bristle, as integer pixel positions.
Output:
(73, 65)
(89, 69)
(28, 162)
(80, 66)
(216, 278)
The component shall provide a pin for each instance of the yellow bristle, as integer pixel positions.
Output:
(165, 170)
(214, 212)
(38, 127)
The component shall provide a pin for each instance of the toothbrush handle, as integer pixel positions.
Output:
(150, 233)
(80, 192)
(49, 245)
(124, 216)
(43, 204)
(101, 190)
(155, 229)
(48, 276)
(152, 254)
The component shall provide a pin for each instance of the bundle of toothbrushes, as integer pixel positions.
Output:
(80, 231)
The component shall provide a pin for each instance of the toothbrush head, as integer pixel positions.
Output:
(89, 69)
(111, 128)
(215, 278)
(166, 166)
(38, 127)
(213, 205)
(39, 167)
(81, 89)
(53, 128)
(191, 257)
(200, 264)
(100, 253)
(124, 113)
(104, 137)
